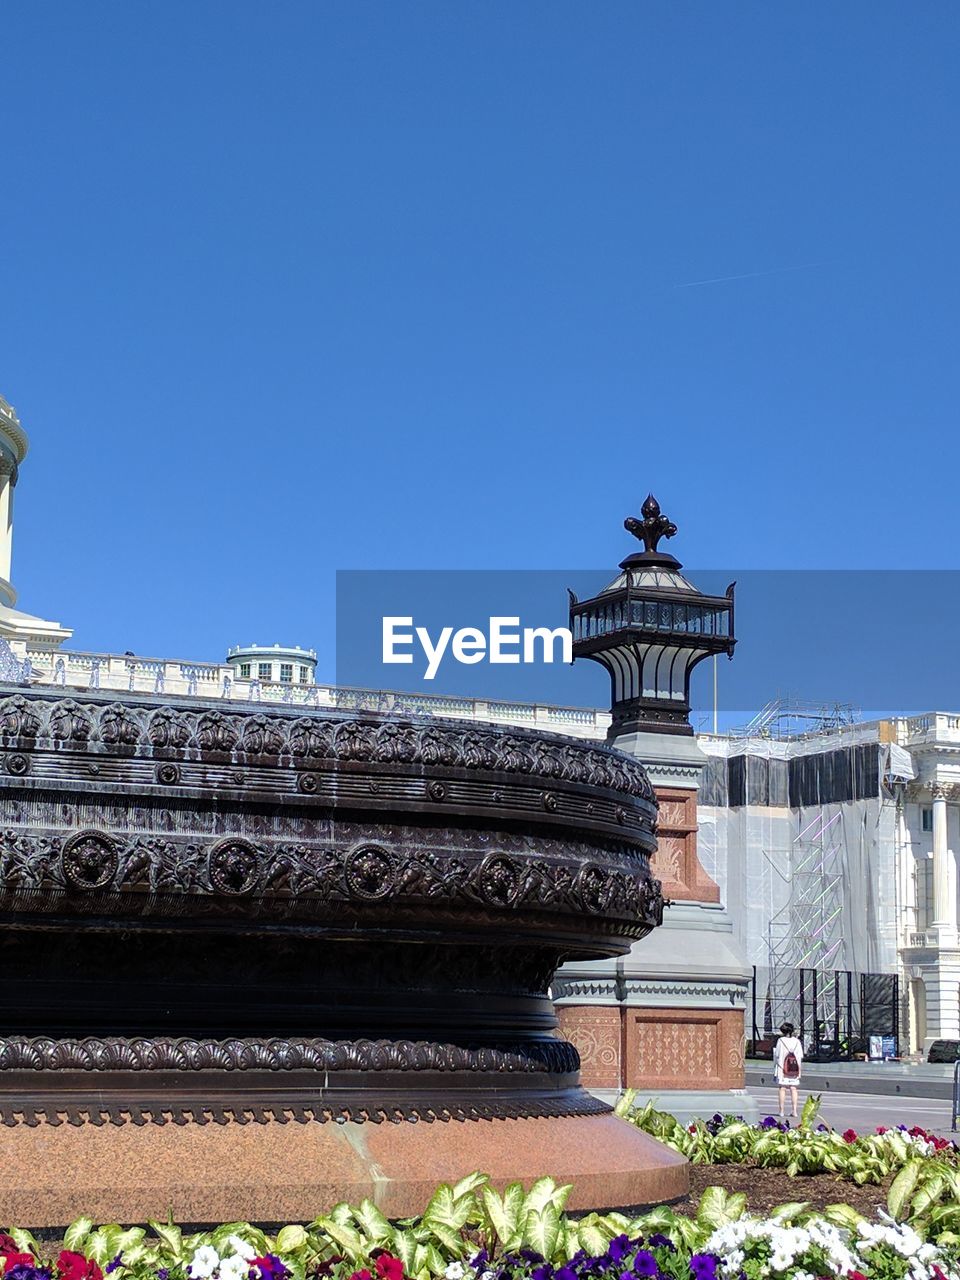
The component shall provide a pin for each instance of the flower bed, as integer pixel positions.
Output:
(472, 1232)
(810, 1148)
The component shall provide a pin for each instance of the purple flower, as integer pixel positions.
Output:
(542, 1273)
(660, 1241)
(531, 1255)
(23, 1272)
(703, 1266)
(565, 1273)
(163, 1274)
(618, 1248)
(769, 1122)
(112, 1266)
(480, 1261)
(645, 1264)
(271, 1267)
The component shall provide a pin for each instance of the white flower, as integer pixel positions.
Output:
(234, 1268)
(205, 1263)
(240, 1246)
(454, 1271)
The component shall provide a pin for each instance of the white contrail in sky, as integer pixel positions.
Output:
(749, 275)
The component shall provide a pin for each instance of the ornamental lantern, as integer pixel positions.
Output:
(650, 627)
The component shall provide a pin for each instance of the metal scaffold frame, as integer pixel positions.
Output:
(807, 932)
(787, 716)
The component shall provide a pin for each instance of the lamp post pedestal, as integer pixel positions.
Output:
(665, 1019)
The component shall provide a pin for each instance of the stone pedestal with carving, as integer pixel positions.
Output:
(667, 1020)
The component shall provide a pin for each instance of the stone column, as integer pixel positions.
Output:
(8, 479)
(20, 630)
(908, 883)
(943, 895)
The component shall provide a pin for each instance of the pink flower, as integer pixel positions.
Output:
(389, 1268)
(74, 1266)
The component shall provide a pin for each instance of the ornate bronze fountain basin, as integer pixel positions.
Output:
(212, 913)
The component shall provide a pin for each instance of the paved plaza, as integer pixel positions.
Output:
(864, 1111)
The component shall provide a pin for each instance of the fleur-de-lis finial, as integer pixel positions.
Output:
(652, 527)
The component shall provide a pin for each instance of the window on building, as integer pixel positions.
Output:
(926, 819)
(286, 673)
(264, 670)
(304, 675)
(244, 670)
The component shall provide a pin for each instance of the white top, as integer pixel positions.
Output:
(785, 1045)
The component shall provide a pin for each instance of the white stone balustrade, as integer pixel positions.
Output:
(130, 673)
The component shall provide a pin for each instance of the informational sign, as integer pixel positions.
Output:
(882, 1048)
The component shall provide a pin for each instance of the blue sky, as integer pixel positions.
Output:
(296, 287)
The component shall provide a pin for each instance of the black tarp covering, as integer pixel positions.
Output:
(713, 782)
(825, 777)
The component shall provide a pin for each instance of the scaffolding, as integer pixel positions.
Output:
(787, 716)
(807, 931)
(802, 883)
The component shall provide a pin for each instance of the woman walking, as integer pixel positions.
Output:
(788, 1060)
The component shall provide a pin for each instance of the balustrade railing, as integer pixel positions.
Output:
(129, 673)
(921, 938)
(934, 725)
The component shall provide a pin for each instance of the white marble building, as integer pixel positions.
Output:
(838, 850)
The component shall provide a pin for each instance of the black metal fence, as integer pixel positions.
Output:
(836, 1012)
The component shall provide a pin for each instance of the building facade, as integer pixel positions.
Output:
(836, 851)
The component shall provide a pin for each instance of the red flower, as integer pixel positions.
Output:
(361, 1275)
(881, 1128)
(7, 1245)
(850, 1135)
(856, 1275)
(389, 1268)
(74, 1266)
(18, 1260)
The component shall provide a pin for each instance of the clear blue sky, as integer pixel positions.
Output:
(299, 286)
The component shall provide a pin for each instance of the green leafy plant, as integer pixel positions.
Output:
(810, 1148)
